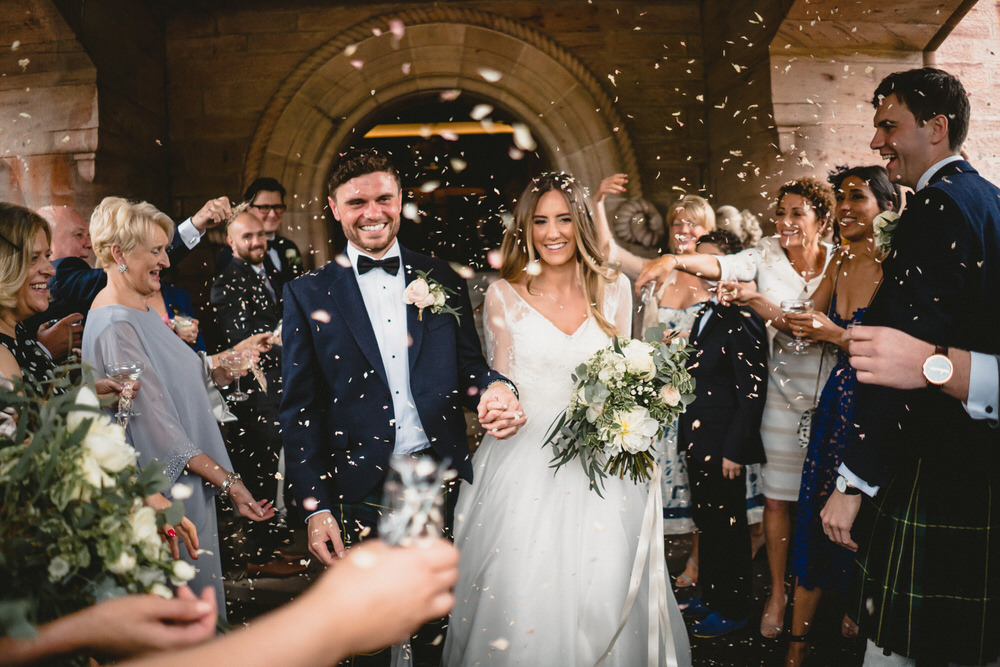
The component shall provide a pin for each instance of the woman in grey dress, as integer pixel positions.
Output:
(175, 425)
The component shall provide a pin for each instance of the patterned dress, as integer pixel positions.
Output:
(817, 561)
(36, 366)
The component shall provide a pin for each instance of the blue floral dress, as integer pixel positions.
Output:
(818, 562)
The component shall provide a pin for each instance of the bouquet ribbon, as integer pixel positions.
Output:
(650, 549)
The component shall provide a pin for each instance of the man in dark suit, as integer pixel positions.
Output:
(283, 261)
(924, 587)
(367, 375)
(720, 431)
(245, 303)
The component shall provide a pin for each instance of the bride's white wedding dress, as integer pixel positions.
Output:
(545, 561)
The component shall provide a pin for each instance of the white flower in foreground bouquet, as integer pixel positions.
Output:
(634, 430)
(670, 395)
(639, 359)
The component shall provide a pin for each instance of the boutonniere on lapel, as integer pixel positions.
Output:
(292, 257)
(884, 225)
(423, 292)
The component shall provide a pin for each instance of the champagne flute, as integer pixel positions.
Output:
(413, 493)
(125, 372)
(798, 345)
(238, 362)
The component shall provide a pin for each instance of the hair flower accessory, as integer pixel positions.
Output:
(884, 225)
(423, 292)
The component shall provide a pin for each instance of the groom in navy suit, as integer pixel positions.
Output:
(366, 374)
(923, 471)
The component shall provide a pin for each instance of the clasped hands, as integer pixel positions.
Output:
(499, 411)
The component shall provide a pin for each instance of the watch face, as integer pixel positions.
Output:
(842, 484)
(937, 369)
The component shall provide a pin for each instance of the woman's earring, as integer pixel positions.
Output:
(122, 268)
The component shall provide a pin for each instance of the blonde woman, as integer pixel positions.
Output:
(175, 425)
(545, 560)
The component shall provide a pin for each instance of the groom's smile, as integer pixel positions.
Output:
(368, 208)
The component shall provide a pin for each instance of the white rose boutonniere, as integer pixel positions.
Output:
(423, 292)
(884, 225)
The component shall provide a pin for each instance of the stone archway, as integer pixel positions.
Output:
(316, 111)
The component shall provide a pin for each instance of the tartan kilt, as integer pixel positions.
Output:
(926, 581)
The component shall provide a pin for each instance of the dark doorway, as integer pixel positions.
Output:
(461, 171)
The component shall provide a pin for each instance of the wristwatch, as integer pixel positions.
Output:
(510, 385)
(937, 367)
(846, 487)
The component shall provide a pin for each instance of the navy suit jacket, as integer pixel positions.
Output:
(336, 411)
(941, 283)
(289, 269)
(729, 368)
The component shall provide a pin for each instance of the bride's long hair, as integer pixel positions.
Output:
(518, 252)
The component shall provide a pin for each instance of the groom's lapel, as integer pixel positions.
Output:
(414, 326)
(347, 298)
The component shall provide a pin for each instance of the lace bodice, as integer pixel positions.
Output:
(526, 347)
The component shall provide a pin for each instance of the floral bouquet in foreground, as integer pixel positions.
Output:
(624, 397)
(73, 526)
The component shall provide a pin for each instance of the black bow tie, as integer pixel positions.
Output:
(390, 264)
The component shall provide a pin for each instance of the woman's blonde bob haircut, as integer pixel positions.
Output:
(18, 229)
(518, 253)
(697, 209)
(117, 221)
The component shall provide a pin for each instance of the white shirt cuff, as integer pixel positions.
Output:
(857, 482)
(189, 233)
(318, 512)
(984, 388)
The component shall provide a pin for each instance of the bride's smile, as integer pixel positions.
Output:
(552, 230)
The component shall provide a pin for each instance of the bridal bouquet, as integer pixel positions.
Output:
(624, 397)
(73, 526)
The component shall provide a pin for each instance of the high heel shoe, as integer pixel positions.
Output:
(772, 625)
(685, 581)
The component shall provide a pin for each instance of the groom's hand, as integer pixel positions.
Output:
(499, 411)
(323, 528)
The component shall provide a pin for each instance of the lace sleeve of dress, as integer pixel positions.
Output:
(158, 432)
(499, 344)
(618, 305)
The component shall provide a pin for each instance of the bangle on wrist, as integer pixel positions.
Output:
(227, 485)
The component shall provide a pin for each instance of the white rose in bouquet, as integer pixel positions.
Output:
(105, 443)
(124, 564)
(85, 397)
(142, 523)
(181, 573)
(639, 359)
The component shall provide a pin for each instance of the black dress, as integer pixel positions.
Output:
(36, 366)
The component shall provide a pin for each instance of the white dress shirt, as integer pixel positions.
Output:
(383, 297)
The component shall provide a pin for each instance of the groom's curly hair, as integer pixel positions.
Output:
(358, 162)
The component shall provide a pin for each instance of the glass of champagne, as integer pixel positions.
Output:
(125, 372)
(413, 495)
(798, 345)
(238, 362)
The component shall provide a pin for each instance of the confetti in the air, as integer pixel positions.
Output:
(490, 75)
(320, 316)
(480, 111)
(523, 138)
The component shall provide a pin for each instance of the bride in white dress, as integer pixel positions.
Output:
(546, 562)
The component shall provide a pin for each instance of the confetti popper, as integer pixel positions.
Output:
(413, 497)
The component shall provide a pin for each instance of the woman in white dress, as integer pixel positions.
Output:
(545, 570)
(789, 265)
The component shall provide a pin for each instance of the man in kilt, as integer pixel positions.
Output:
(920, 484)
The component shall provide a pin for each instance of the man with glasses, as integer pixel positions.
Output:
(283, 261)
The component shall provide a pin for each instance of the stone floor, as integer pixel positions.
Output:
(248, 598)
